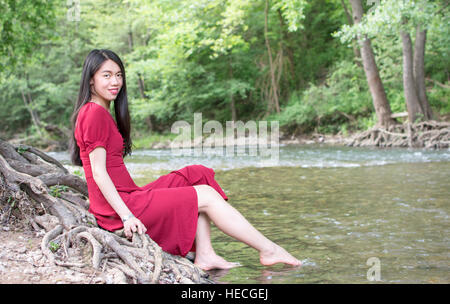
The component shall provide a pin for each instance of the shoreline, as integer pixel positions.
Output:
(326, 139)
(429, 135)
(301, 140)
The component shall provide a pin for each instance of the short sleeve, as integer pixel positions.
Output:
(95, 128)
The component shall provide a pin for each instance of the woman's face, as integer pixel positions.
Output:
(107, 81)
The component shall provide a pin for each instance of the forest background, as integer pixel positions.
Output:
(293, 61)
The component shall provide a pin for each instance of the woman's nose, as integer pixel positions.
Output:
(115, 80)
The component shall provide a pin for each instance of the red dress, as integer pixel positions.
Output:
(167, 206)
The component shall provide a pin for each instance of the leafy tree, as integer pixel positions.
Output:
(380, 102)
(229, 59)
(401, 18)
(21, 28)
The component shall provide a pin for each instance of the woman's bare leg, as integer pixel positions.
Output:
(205, 256)
(231, 222)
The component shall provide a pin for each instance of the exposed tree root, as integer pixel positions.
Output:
(427, 134)
(37, 191)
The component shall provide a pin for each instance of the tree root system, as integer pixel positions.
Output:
(37, 192)
(427, 134)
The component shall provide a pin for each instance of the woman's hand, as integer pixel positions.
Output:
(132, 225)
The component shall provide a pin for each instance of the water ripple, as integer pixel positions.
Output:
(283, 156)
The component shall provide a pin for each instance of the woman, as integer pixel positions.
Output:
(176, 209)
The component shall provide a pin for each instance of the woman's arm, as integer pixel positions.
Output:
(101, 177)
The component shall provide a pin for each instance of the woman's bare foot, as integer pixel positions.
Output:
(213, 261)
(276, 255)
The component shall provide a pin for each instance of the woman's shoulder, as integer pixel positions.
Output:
(93, 122)
(93, 111)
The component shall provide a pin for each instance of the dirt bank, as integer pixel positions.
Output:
(22, 262)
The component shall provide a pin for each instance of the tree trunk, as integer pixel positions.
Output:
(232, 102)
(419, 71)
(272, 103)
(356, 51)
(286, 45)
(415, 110)
(380, 102)
(141, 86)
(130, 39)
(34, 118)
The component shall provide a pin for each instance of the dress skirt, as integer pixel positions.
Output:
(172, 212)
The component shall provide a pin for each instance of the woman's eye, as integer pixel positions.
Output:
(106, 75)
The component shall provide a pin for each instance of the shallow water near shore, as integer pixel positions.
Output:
(334, 208)
(335, 219)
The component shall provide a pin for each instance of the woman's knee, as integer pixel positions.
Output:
(207, 196)
(202, 173)
(200, 168)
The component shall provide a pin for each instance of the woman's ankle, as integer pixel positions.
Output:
(268, 249)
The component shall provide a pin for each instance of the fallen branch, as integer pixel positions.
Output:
(442, 85)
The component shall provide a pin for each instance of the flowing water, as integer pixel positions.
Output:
(352, 215)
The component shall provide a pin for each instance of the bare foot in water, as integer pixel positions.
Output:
(213, 261)
(278, 255)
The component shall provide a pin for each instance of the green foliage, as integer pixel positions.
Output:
(78, 172)
(11, 201)
(383, 24)
(184, 57)
(145, 141)
(57, 189)
(437, 52)
(53, 246)
(21, 150)
(22, 27)
(292, 11)
(390, 17)
(341, 99)
(439, 100)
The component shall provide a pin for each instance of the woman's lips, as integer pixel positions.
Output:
(114, 91)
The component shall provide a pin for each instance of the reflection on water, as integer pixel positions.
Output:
(332, 207)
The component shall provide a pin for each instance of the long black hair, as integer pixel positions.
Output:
(91, 65)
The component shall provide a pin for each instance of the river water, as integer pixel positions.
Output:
(352, 215)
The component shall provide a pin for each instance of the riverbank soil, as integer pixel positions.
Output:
(22, 262)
